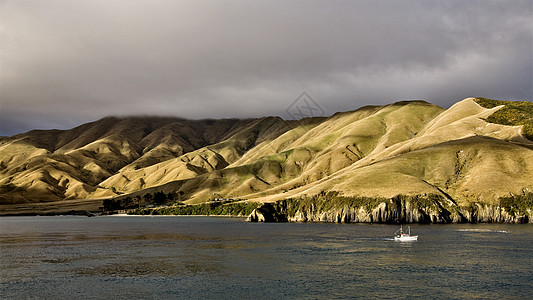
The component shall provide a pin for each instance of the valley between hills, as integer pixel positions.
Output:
(410, 161)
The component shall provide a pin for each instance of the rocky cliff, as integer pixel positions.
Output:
(399, 209)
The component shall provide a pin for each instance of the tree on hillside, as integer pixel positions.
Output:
(160, 198)
(147, 197)
(171, 196)
(127, 202)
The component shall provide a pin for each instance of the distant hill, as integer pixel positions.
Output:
(52, 165)
(477, 151)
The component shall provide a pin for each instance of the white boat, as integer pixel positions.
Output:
(404, 236)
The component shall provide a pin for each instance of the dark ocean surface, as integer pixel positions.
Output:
(67, 257)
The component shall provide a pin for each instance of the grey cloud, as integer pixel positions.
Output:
(68, 62)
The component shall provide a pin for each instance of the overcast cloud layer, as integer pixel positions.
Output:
(63, 63)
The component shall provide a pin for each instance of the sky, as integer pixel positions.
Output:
(65, 63)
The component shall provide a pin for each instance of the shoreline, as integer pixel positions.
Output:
(83, 214)
(322, 208)
(153, 216)
(250, 218)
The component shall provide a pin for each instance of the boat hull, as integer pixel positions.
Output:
(406, 238)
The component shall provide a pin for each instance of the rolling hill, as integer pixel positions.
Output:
(479, 151)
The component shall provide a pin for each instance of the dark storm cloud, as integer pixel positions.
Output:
(67, 62)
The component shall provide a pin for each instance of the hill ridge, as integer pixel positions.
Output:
(374, 151)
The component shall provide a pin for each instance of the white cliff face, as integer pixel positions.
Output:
(391, 211)
(256, 216)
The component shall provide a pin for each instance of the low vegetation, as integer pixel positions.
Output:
(206, 209)
(157, 198)
(517, 204)
(325, 201)
(514, 113)
(160, 203)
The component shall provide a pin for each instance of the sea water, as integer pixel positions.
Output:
(68, 257)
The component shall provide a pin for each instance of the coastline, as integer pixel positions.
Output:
(324, 208)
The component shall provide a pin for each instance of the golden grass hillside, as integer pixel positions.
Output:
(307, 153)
(458, 154)
(52, 165)
(407, 148)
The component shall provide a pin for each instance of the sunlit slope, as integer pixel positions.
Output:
(457, 154)
(475, 169)
(310, 152)
(36, 174)
(337, 143)
(464, 119)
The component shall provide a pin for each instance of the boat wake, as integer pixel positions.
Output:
(375, 239)
(483, 230)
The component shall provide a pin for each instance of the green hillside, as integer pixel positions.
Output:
(513, 113)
